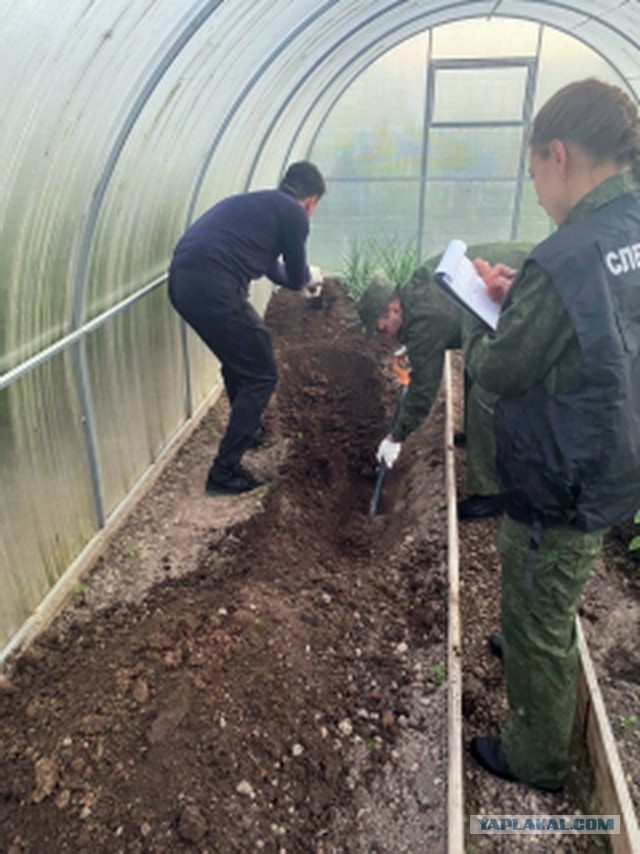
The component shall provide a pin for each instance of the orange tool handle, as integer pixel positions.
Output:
(401, 367)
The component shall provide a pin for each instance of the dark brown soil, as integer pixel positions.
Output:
(610, 617)
(266, 672)
(247, 702)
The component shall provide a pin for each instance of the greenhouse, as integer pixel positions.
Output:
(126, 120)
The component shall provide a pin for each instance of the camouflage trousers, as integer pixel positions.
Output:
(481, 444)
(542, 578)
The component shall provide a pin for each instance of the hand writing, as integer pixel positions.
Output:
(497, 278)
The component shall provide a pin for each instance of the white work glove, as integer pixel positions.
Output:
(311, 290)
(316, 276)
(388, 451)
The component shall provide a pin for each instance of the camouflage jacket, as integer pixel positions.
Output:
(432, 323)
(535, 338)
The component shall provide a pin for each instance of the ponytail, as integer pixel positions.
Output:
(600, 118)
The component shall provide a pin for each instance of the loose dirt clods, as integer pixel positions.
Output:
(264, 672)
(252, 673)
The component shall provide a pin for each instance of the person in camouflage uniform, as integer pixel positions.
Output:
(568, 335)
(432, 323)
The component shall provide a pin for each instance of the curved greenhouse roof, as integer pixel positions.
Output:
(123, 120)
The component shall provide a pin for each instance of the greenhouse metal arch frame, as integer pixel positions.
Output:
(315, 39)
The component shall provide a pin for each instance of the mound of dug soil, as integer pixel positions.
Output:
(263, 672)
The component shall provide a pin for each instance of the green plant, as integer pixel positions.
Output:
(397, 260)
(359, 265)
(634, 545)
(437, 674)
(628, 722)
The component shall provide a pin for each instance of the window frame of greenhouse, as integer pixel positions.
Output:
(436, 66)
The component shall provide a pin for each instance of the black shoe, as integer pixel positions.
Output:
(234, 480)
(496, 646)
(488, 753)
(259, 438)
(460, 439)
(479, 507)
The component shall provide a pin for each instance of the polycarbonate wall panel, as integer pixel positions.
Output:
(35, 296)
(469, 164)
(304, 111)
(471, 152)
(276, 56)
(204, 369)
(386, 210)
(382, 136)
(476, 211)
(534, 224)
(370, 137)
(146, 203)
(136, 378)
(383, 150)
(482, 94)
(77, 68)
(564, 59)
(485, 38)
(46, 503)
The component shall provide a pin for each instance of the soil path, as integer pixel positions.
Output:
(267, 672)
(263, 672)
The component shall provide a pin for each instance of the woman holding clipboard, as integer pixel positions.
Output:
(564, 360)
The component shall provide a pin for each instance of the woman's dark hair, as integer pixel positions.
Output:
(599, 117)
(302, 180)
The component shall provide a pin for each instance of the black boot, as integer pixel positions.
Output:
(479, 507)
(496, 646)
(460, 439)
(488, 753)
(230, 480)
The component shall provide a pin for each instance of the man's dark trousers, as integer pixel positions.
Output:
(214, 304)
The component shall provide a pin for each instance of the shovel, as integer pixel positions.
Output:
(401, 370)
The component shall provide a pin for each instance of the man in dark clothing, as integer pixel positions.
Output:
(241, 238)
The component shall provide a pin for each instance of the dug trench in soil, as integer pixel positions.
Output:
(610, 614)
(260, 672)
